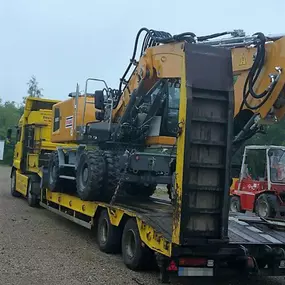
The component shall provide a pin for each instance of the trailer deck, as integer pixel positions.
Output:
(242, 229)
(158, 214)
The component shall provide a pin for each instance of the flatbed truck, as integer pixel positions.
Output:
(142, 232)
(194, 235)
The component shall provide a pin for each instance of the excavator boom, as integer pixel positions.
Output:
(258, 64)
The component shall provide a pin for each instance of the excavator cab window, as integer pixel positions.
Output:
(171, 108)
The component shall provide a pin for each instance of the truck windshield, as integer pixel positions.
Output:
(277, 165)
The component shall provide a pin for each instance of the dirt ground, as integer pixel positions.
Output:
(39, 247)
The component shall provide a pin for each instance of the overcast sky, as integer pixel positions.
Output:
(64, 42)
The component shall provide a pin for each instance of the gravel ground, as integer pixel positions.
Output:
(39, 247)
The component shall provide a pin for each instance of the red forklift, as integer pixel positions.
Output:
(260, 188)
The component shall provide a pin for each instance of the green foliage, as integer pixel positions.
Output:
(10, 114)
(275, 135)
(33, 89)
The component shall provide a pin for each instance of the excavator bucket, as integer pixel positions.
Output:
(204, 146)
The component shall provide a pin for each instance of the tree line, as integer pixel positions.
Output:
(11, 112)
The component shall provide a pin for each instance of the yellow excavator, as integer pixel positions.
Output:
(128, 138)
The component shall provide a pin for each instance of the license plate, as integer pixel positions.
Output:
(195, 271)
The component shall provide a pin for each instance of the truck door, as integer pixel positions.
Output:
(18, 148)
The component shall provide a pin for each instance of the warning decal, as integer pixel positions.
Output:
(68, 122)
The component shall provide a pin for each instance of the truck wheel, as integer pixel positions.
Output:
(53, 173)
(141, 190)
(235, 206)
(265, 206)
(14, 193)
(90, 175)
(108, 236)
(135, 255)
(32, 198)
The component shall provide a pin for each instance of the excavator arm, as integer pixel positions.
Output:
(259, 87)
(258, 66)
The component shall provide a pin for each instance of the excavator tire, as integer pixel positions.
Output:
(139, 190)
(90, 175)
(54, 182)
(111, 177)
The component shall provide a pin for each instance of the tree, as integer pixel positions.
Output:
(33, 89)
(9, 117)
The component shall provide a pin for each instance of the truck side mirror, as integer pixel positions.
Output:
(9, 134)
(99, 100)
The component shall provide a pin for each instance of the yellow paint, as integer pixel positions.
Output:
(160, 140)
(40, 120)
(115, 216)
(180, 157)
(84, 207)
(233, 184)
(148, 234)
(66, 109)
(33, 160)
(163, 61)
(153, 239)
(21, 183)
(242, 62)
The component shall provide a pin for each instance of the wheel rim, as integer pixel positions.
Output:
(130, 244)
(262, 209)
(29, 194)
(53, 173)
(85, 174)
(13, 181)
(104, 231)
(234, 206)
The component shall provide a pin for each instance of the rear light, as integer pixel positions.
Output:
(250, 262)
(172, 266)
(188, 261)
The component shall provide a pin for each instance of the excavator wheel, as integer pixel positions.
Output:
(54, 182)
(111, 176)
(139, 190)
(90, 175)
(97, 175)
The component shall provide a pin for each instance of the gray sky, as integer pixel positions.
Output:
(64, 42)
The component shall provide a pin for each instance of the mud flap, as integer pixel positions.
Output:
(204, 148)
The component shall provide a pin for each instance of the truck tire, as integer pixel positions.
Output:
(108, 236)
(135, 255)
(90, 175)
(235, 206)
(14, 193)
(140, 190)
(32, 199)
(265, 206)
(54, 183)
